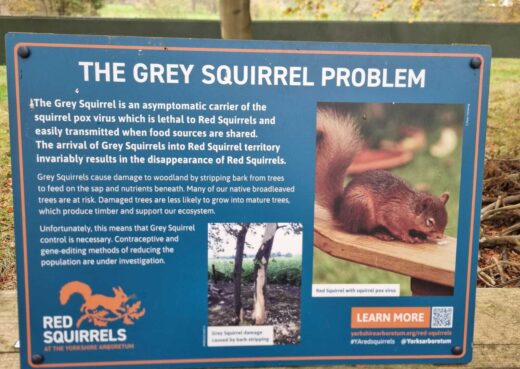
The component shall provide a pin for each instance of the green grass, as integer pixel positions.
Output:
(504, 110)
(168, 10)
(306, 10)
(7, 255)
(163, 9)
(281, 270)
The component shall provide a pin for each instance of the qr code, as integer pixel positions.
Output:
(442, 316)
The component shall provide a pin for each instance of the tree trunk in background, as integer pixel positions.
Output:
(260, 274)
(235, 19)
(237, 274)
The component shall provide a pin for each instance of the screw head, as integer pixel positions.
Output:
(456, 350)
(24, 52)
(475, 63)
(37, 359)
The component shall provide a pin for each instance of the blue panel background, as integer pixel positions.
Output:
(175, 295)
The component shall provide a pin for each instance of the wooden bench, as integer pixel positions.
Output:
(496, 343)
(431, 266)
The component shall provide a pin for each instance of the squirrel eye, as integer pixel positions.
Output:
(430, 222)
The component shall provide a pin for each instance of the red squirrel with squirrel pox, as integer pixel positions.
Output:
(376, 203)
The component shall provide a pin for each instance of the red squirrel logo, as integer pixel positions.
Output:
(100, 310)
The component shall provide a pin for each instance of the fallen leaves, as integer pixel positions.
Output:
(499, 254)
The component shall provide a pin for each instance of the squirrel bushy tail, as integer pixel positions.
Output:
(337, 142)
(75, 287)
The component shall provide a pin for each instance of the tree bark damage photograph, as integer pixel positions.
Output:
(254, 277)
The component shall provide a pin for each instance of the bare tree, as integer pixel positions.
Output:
(217, 233)
(237, 273)
(260, 269)
(260, 274)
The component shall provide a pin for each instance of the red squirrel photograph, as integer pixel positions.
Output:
(376, 202)
(387, 178)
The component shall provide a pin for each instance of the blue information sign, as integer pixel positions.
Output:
(197, 203)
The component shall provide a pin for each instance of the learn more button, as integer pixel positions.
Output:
(390, 317)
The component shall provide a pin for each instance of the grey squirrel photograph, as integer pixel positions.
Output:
(377, 202)
(387, 178)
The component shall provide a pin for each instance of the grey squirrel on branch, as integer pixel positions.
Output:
(378, 202)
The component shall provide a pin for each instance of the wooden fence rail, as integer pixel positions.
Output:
(428, 261)
(503, 37)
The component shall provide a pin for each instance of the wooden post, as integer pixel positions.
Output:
(235, 19)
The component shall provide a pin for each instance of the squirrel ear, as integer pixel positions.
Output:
(445, 197)
(423, 204)
(426, 203)
(115, 290)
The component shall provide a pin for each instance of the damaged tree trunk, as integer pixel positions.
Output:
(260, 274)
(237, 273)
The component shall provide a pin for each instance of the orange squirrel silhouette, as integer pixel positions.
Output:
(115, 304)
